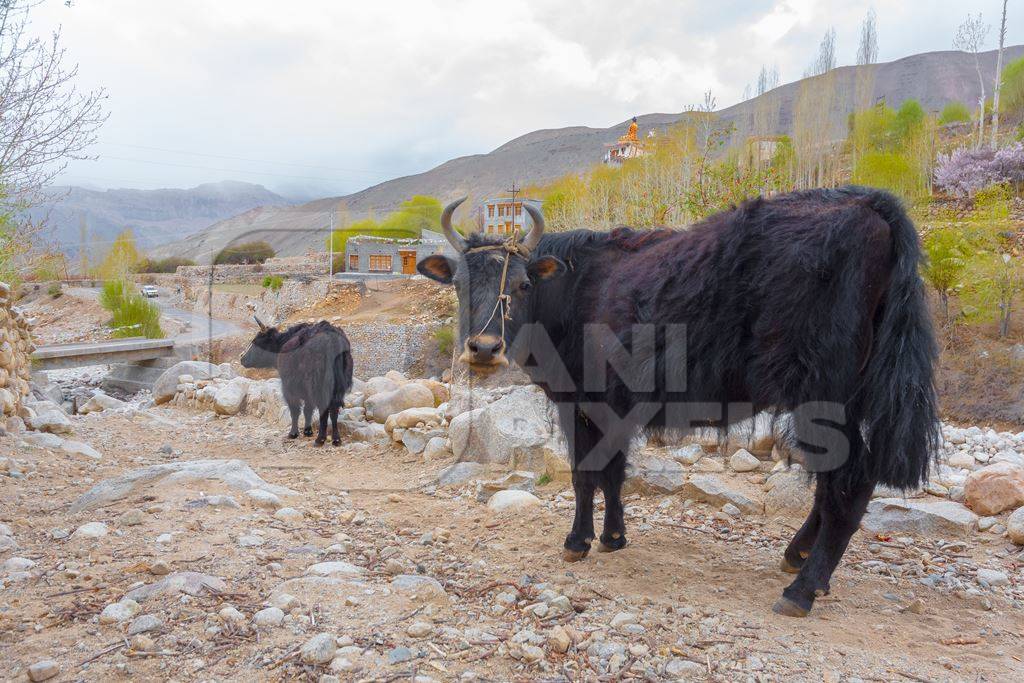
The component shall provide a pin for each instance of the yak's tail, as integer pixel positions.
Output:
(897, 398)
(342, 376)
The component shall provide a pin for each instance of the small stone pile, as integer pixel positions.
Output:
(15, 348)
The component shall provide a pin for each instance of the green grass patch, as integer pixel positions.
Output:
(132, 315)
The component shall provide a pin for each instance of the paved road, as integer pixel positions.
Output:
(198, 328)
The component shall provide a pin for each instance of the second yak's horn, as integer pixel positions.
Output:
(533, 237)
(260, 323)
(457, 240)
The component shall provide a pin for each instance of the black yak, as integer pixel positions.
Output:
(314, 362)
(807, 304)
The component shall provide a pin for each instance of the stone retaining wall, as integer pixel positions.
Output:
(15, 348)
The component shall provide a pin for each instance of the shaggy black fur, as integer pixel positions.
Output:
(809, 303)
(314, 362)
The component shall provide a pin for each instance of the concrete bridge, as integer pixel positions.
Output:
(136, 363)
(131, 350)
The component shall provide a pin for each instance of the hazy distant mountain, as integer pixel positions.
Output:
(155, 216)
(933, 79)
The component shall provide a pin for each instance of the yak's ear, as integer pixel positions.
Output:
(546, 267)
(436, 267)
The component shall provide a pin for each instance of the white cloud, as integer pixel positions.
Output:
(349, 94)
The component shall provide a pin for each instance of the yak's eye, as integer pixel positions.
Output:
(525, 286)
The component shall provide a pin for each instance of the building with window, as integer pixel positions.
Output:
(386, 257)
(502, 215)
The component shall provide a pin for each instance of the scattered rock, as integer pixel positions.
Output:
(289, 515)
(380, 406)
(264, 500)
(458, 473)
(788, 492)
(651, 475)
(50, 418)
(400, 654)
(190, 583)
(710, 489)
(133, 517)
(688, 455)
(230, 397)
(559, 640)
(995, 488)
(935, 517)
(90, 530)
(100, 401)
(166, 385)
(1015, 526)
(992, 577)
(79, 448)
(504, 501)
(235, 474)
(44, 670)
(743, 461)
(337, 568)
(144, 624)
(419, 629)
(269, 617)
(319, 649)
(117, 612)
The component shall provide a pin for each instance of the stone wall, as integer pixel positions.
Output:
(380, 347)
(15, 348)
(250, 273)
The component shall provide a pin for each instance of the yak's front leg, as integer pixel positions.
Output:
(613, 536)
(577, 542)
(582, 439)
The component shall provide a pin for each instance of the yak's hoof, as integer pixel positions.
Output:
(308, 431)
(574, 555)
(788, 608)
(293, 435)
(611, 543)
(318, 442)
(788, 568)
(335, 442)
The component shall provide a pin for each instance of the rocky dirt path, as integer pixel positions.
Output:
(369, 571)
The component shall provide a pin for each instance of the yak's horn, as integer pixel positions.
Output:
(533, 237)
(457, 240)
(260, 323)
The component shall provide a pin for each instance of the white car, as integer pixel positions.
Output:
(149, 291)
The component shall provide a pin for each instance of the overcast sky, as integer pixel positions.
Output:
(315, 98)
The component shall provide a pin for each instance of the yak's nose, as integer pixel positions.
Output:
(485, 348)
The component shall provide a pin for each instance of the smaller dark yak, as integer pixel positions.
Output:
(314, 361)
(808, 304)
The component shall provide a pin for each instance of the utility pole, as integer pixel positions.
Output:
(999, 79)
(330, 242)
(514, 191)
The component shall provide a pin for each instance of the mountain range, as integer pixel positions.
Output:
(154, 216)
(933, 79)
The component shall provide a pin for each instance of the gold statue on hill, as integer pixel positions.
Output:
(631, 134)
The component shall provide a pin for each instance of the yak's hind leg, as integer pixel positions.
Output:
(307, 414)
(321, 435)
(613, 536)
(293, 408)
(841, 499)
(803, 540)
(335, 435)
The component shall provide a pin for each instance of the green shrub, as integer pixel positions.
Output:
(891, 171)
(947, 253)
(132, 315)
(954, 112)
(445, 338)
(164, 265)
(244, 253)
(54, 290)
(273, 282)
